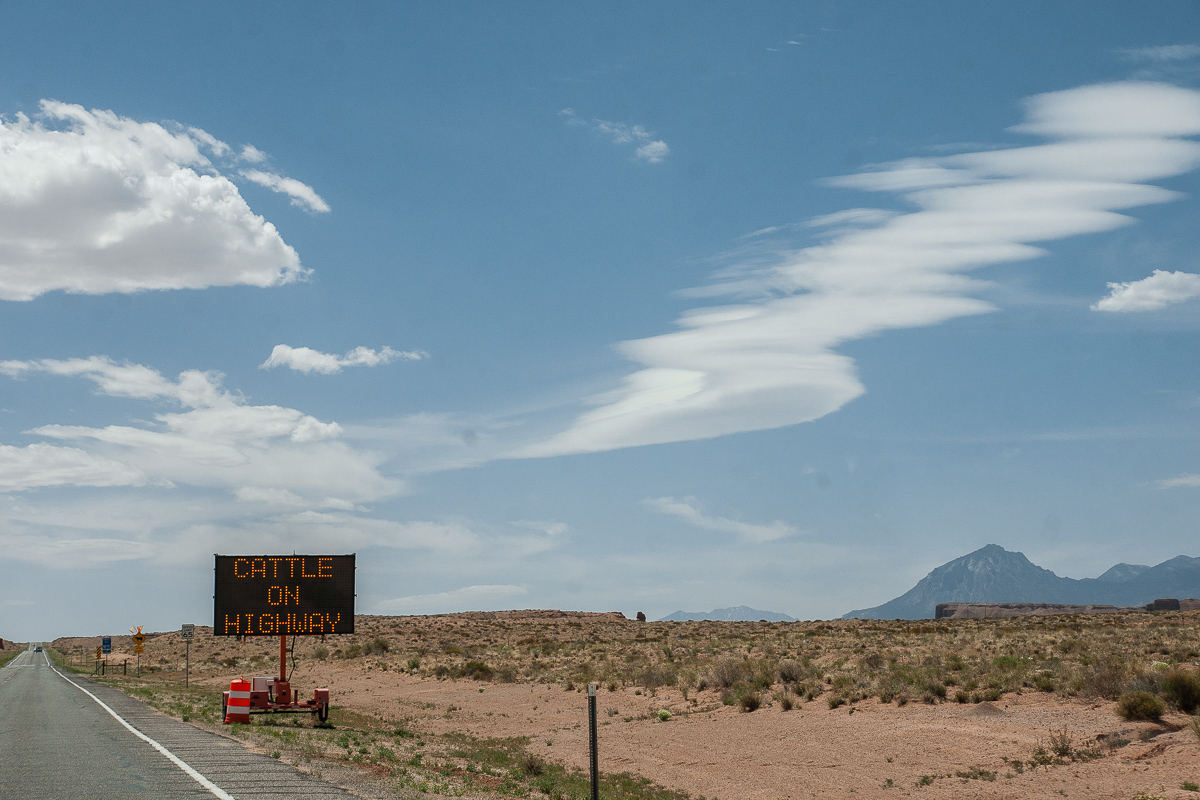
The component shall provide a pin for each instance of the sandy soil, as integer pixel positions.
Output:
(809, 752)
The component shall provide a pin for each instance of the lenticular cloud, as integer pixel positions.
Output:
(92, 203)
(770, 360)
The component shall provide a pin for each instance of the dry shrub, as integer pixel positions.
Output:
(790, 671)
(533, 764)
(1140, 706)
(872, 661)
(750, 701)
(376, 647)
(1108, 679)
(1183, 690)
(657, 675)
(477, 670)
(726, 672)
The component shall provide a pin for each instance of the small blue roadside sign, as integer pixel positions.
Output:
(106, 645)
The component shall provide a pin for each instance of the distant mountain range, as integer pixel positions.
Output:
(995, 575)
(735, 614)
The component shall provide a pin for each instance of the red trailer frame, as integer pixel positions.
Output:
(275, 695)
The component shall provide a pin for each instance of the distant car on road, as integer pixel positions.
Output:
(37, 649)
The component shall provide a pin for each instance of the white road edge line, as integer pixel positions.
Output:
(217, 791)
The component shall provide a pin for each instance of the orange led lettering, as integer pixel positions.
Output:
(304, 574)
(292, 566)
(236, 572)
(321, 567)
(258, 568)
(282, 595)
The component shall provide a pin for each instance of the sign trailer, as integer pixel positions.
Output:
(283, 596)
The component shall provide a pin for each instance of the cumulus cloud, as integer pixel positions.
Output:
(749, 532)
(193, 388)
(304, 359)
(92, 202)
(40, 465)
(649, 149)
(469, 598)
(1159, 290)
(261, 453)
(769, 358)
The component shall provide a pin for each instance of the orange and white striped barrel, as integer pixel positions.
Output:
(238, 707)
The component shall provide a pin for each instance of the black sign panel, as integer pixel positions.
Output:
(284, 595)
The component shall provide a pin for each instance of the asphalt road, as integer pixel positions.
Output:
(59, 743)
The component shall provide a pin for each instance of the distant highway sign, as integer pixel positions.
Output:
(106, 645)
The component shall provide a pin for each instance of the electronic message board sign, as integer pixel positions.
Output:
(283, 595)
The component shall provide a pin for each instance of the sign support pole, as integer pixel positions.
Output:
(283, 670)
(594, 755)
(187, 662)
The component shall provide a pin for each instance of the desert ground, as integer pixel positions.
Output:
(494, 704)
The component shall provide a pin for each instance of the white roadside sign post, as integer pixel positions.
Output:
(187, 633)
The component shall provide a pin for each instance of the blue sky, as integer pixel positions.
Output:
(634, 307)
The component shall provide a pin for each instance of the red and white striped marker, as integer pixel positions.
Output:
(238, 707)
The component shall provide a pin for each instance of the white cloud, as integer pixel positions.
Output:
(770, 360)
(469, 598)
(1159, 290)
(1130, 109)
(1162, 53)
(304, 359)
(649, 149)
(749, 532)
(253, 154)
(40, 465)
(1191, 481)
(269, 495)
(548, 527)
(302, 194)
(64, 552)
(265, 453)
(852, 216)
(92, 202)
(193, 388)
(654, 152)
(183, 526)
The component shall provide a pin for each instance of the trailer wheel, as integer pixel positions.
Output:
(322, 713)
